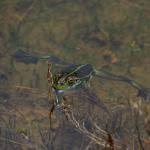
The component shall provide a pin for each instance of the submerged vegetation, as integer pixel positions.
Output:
(110, 35)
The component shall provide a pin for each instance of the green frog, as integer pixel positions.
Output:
(71, 79)
(76, 75)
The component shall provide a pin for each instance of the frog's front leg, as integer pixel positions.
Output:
(56, 103)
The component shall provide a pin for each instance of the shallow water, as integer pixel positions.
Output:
(113, 35)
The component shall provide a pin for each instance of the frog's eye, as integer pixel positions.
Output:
(70, 81)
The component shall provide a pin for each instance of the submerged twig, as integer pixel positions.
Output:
(102, 141)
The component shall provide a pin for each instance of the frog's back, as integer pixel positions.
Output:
(84, 71)
(78, 70)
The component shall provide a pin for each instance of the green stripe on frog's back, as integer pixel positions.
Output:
(81, 71)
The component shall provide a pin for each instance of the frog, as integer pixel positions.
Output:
(65, 81)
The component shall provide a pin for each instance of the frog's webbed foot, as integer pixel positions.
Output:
(25, 57)
(145, 93)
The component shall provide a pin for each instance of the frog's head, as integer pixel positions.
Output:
(71, 77)
(65, 82)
